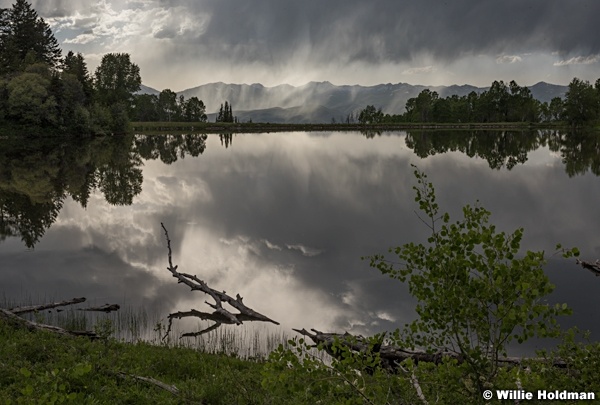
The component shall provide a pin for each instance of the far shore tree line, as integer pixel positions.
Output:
(501, 103)
(168, 107)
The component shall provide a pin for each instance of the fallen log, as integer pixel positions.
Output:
(391, 356)
(220, 315)
(24, 323)
(42, 307)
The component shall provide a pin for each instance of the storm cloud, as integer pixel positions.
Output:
(181, 44)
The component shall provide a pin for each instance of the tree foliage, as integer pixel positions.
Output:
(476, 292)
(581, 102)
(25, 38)
(168, 107)
(500, 103)
(226, 113)
(370, 115)
(40, 89)
(29, 100)
(116, 79)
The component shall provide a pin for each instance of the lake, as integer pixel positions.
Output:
(282, 218)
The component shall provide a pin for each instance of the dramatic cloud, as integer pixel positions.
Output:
(508, 59)
(579, 60)
(184, 43)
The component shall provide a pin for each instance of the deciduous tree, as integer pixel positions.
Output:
(581, 103)
(116, 79)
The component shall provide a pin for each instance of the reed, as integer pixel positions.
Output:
(134, 324)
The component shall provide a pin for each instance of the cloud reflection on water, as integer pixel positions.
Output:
(283, 219)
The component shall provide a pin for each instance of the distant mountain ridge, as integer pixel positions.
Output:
(322, 102)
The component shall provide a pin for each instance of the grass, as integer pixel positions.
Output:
(135, 324)
(222, 367)
(41, 367)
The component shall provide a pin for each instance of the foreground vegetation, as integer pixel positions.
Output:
(44, 368)
(476, 293)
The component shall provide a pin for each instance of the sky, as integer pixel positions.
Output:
(179, 44)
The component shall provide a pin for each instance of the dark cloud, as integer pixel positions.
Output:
(378, 30)
(395, 30)
(183, 43)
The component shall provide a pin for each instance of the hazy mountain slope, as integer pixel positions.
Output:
(545, 91)
(147, 90)
(320, 102)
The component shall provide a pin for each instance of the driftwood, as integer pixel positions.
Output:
(13, 319)
(103, 308)
(391, 356)
(594, 268)
(220, 315)
(37, 308)
(11, 316)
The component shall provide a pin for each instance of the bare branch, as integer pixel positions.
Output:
(220, 315)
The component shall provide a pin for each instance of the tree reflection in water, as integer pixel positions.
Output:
(580, 151)
(37, 175)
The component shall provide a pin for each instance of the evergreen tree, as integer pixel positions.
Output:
(226, 113)
(220, 115)
(75, 65)
(23, 32)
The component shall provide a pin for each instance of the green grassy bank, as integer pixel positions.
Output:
(46, 368)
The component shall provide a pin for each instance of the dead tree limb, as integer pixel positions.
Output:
(103, 308)
(220, 315)
(149, 380)
(24, 323)
(392, 355)
(37, 308)
(594, 268)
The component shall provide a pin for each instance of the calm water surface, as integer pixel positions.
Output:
(283, 219)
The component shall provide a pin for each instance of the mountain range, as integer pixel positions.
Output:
(323, 102)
